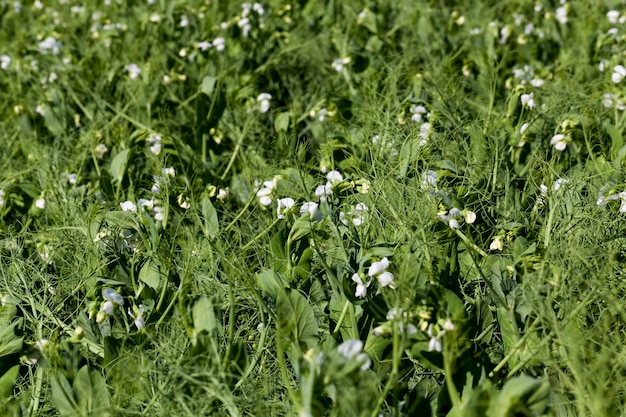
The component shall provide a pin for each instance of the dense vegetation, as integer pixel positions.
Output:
(312, 208)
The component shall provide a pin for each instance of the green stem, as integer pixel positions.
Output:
(259, 236)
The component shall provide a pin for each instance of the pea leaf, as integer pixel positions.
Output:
(296, 317)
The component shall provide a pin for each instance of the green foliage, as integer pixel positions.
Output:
(316, 208)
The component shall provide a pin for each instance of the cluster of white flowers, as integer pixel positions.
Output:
(263, 101)
(50, 45)
(435, 344)
(386, 145)
(100, 150)
(454, 215)
(334, 178)
(5, 61)
(376, 270)
(353, 349)
(603, 199)
(321, 114)
(154, 141)
(70, 177)
(113, 299)
(133, 71)
(218, 43)
(615, 17)
(340, 63)
(561, 14)
(526, 75)
(556, 186)
(137, 315)
(153, 206)
(356, 216)
(619, 72)
(267, 192)
(244, 21)
(528, 100)
(611, 100)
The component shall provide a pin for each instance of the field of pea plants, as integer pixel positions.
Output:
(313, 208)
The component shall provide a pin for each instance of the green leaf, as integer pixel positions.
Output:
(150, 274)
(91, 392)
(207, 86)
(509, 332)
(278, 256)
(203, 315)
(118, 165)
(9, 342)
(210, 226)
(63, 395)
(296, 317)
(281, 123)
(524, 396)
(7, 381)
(270, 282)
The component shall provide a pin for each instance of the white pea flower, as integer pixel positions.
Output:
(258, 8)
(561, 15)
(379, 271)
(528, 100)
(100, 150)
(608, 100)
(147, 204)
(537, 82)
(361, 285)
(154, 141)
(353, 349)
(340, 63)
(264, 102)
(69, 177)
(266, 192)
(218, 43)
(559, 183)
(334, 178)
(159, 214)
(113, 296)
(2, 195)
(619, 72)
(613, 16)
(5, 61)
(40, 203)
(245, 26)
(50, 44)
(168, 172)
(424, 133)
(284, 206)
(128, 206)
(559, 142)
(451, 218)
(448, 326)
(184, 21)
(470, 216)
(524, 127)
(358, 215)
(222, 194)
(496, 244)
(133, 71)
(505, 32)
(429, 179)
(139, 320)
(313, 211)
(435, 343)
(204, 46)
(418, 113)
